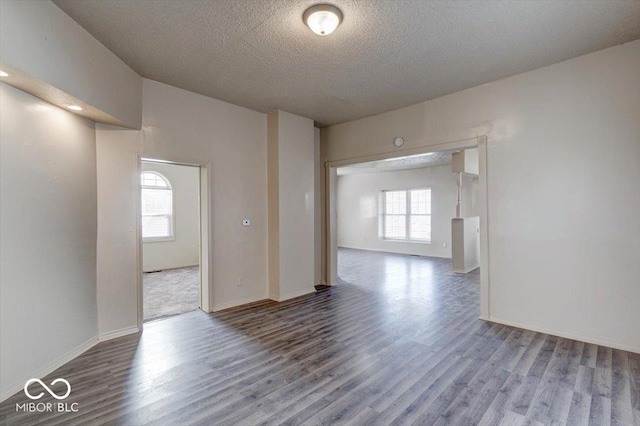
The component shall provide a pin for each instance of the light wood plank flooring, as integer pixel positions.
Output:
(397, 342)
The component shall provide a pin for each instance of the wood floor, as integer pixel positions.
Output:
(397, 342)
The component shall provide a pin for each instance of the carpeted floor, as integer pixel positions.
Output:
(171, 292)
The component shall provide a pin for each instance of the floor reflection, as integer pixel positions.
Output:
(259, 361)
(410, 290)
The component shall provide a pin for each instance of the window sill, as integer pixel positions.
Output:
(405, 241)
(158, 239)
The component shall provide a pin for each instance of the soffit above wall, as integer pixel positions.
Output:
(47, 54)
(405, 163)
(385, 55)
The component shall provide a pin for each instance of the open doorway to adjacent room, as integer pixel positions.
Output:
(410, 224)
(170, 227)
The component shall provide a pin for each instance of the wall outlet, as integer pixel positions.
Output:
(246, 222)
(240, 282)
(444, 244)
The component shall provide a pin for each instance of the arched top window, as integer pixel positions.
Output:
(154, 180)
(157, 207)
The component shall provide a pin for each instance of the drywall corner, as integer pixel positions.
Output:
(52, 50)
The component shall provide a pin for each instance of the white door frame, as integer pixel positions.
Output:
(206, 282)
(331, 249)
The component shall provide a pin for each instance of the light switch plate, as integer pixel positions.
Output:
(246, 222)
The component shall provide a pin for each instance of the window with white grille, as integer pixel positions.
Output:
(157, 207)
(405, 215)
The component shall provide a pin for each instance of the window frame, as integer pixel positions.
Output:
(382, 216)
(172, 219)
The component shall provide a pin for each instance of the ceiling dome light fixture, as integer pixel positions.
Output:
(322, 18)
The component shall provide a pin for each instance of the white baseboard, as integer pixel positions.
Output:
(118, 333)
(396, 251)
(293, 294)
(235, 303)
(168, 267)
(13, 388)
(462, 271)
(559, 333)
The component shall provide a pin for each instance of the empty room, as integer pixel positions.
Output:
(396, 223)
(241, 212)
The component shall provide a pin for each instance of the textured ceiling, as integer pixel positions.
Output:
(402, 163)
(385, 54)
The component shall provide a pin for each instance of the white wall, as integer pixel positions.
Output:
(51, 56)
(117, 247)
(55, 52)
(357, 201)
(563, 171)
(292, 161)
(48, 245)
(182, 126)
(184, 250)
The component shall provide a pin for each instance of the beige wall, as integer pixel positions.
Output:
(563, 154)
(273, 204)
(357, 201)
(184, 249)
(181, 125)
(117, 247)
(48, 246)
(291, 205)
(317, 218)
(193, 129)
(59, 61)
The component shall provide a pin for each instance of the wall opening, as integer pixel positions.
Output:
(348, 186)
(173, 242)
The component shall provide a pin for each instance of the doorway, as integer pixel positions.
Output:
(170, 228)
(332, 223)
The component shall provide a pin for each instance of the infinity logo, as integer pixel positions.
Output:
(52, 393)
